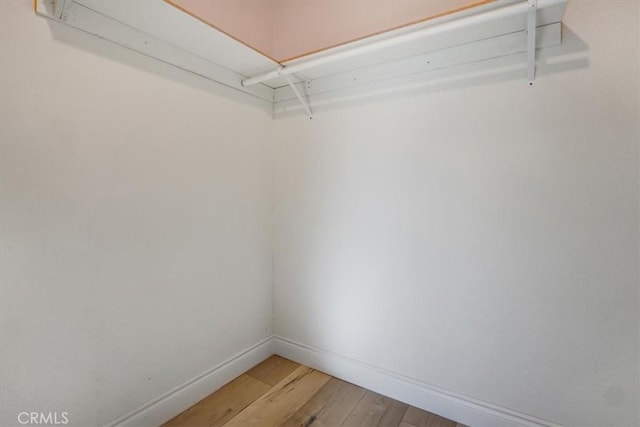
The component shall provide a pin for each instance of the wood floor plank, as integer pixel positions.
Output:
(273, 370)
(369, 411)
(416, 417)
(437, 421)
(329, 407)
(394, 414)
(218, 408)
(302, 398)
(283, 400)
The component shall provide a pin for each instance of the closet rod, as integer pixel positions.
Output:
(503, 12)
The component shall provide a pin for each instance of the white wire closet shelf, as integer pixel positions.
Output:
(157, 29)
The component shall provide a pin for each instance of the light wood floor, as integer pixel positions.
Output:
(279, 392)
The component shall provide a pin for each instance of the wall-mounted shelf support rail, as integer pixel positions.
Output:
(531, 40)
(155, 28)
(528, 8)
(400, 58)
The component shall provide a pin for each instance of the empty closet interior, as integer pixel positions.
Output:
(434, 200)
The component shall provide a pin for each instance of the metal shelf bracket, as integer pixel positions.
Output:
(531, 40)
(300, 97)
(61, 9)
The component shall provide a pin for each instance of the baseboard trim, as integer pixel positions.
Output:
(465, 410)
(175, 401)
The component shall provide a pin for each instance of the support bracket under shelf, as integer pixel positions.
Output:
(531, 40)
(300, 97)
(61, 9)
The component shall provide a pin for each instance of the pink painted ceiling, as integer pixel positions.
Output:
(287, 29)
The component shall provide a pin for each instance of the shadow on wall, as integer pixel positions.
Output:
(112, 51)
(570, 55)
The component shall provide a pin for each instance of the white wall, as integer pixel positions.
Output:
(136, 223)
(480, 238)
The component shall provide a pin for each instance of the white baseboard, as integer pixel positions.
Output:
(459, 408)
(186, 395)
(465, 410)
